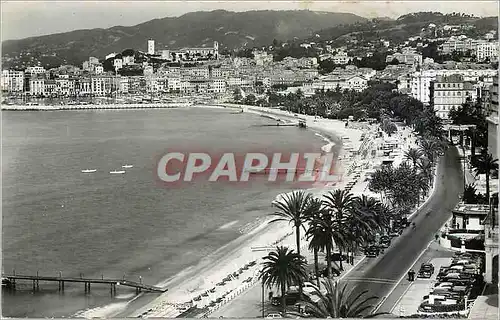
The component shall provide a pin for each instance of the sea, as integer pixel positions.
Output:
(57, 220)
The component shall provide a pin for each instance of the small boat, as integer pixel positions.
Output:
(117, 171)
(127, 166)
(89, 170)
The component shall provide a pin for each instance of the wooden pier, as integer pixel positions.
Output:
(10, 281)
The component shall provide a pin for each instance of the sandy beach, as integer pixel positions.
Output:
(238, 262)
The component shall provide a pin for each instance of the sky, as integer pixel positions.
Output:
(22, 19)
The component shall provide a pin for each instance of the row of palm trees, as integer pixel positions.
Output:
(338, 220)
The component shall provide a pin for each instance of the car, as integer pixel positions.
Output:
(273, 316)
(426, 270)
(385, 241)
(372, 251)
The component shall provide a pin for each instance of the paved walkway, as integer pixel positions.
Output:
(485, 308)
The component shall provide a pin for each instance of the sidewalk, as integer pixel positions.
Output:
(416, 290)
(485, 308)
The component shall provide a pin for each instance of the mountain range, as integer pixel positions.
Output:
(232, 30)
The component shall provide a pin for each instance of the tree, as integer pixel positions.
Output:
(250, 100)
(296, 208)
(320, 234)
(381, 180)
(237, 95)
(339, 204)
(340, 303)
(283, 268)
(485, 164)
(471, 197)
(366, 218)
(316, 236)
(413, 155)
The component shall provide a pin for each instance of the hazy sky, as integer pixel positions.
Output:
(21, 19)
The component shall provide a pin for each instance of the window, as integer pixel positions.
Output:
(459, 93)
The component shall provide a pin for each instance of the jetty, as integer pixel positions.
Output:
(10, 282)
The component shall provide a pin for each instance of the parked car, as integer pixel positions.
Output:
(273, 316)
(372, 251)
(291, 298)
(426, 270)
(385, 241)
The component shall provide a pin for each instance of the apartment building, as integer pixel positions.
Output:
(65, 86)
(448, 92)
(35, 70)
(37, 86)
(341, 58)
(217, 85)
(460, 45)
(101, 86)
(410, 58)
(12, 81)
(421, 80)
(488, 50)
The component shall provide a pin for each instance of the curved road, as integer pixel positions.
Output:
(380, 275)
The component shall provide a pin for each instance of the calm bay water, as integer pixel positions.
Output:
(57, 219)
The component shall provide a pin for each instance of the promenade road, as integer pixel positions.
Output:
(380, 275)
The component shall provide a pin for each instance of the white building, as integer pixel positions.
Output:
(217, 86)
(118, 64)
(450, 92)
(410, 58)
(12, 81)
(487, 50)
(123, 84)
(341, 58)
(151, 46)
(165, 55)
(421, 80)
(35, 70)
(101, 86)
(37, 86)
(99, 69)
(128, 60)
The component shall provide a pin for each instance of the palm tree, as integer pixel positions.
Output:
(339, 204)
(321, 236)
(426, 169)
(296, 208)
(413, 155)
(431, 148)
(366, 217)
(283, 268)
(340, 303)
(422, 183)
(485, 164)
(315, 236)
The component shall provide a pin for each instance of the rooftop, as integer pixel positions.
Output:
(472, 209)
